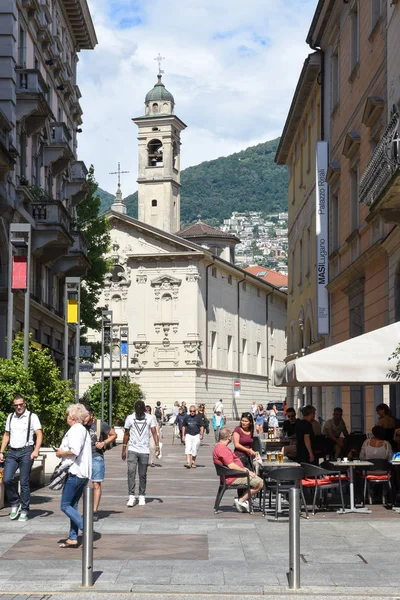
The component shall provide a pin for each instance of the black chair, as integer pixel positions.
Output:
(223, 473)
(321, 480)
(283, 479)
(352, 444)
(378, 473)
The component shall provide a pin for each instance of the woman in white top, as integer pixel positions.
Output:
(377, 446)
(76, 450)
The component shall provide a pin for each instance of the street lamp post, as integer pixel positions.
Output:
(72, 303)
(106, 320)
(19, 268)
(110, 390)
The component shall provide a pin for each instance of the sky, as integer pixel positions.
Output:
(231, 65)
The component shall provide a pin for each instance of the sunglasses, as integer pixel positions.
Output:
(192, 411)
(18, 405)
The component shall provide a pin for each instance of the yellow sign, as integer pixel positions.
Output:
(72, 312)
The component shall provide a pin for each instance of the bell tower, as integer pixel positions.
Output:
(159, 160)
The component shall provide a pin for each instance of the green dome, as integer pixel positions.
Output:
(159, 92)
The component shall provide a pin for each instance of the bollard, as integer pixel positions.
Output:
(294, 538)
(87, 546)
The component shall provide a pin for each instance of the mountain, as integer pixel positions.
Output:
(245, 181)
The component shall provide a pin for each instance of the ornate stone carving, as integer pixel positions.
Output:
(192, 352)
(136, 363)
(166, 327)
(141, 347)
(163, 355)
(192, 274)
(141, 276)
(166, 283)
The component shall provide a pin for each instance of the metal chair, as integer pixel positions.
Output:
(321, 480)
(283, 479)
(378, 473)
(223, 473)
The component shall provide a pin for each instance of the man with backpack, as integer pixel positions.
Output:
(21, 426)
(159, 414)
(101, 436)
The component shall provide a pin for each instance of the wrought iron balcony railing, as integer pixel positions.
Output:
(384, 163)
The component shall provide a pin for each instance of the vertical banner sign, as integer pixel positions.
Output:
(19, 272)
(322, 237)
(72, 311)
(124, 348)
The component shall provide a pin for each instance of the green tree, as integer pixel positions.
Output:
(125, 394)
(395, 373)
(96, 230)
(46, 394)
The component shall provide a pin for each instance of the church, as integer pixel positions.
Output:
(187, 324)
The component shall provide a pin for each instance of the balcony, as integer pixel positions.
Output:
(51, 236)
(33, 96)
(379, 186)
(8, 153)
(59, 151)
(75, 263)
(31, 6)
(76, 189)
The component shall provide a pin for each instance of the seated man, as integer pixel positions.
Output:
(334, 429)
(223, 456)
(289, 431)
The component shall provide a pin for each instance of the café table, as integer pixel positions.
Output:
(350, 466)
(275, 464)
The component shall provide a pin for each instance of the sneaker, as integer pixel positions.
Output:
(241, 506)
(131, 501)
(95, 517)
(193, 465)
(142, 500)
(188, 466)
(15, 510)
(23, 517)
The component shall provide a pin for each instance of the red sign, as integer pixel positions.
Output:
(236, 385)
(19, 272)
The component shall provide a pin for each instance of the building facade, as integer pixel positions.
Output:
(360, 46)
(195, 322)
(41, 178)
(297, 150)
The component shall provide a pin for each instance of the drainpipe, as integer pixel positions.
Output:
(206, 336)
(267, 336)
(238, 324)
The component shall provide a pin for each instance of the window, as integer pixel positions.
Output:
(154, 202)
(259, 358)
(258, 293)
(213, 349)
(309, 149)
(22, 47)
(300, 262)
(296, 151)
(291, 273)
(354, 38)
(272, 363)
(272, 330)
(244, 287)
(22, 151)
(313, 110)
(214, 271)
(375, 12)
(229, 353)
(244, 355)
(308, 253)
(335, 223)
(354, 205)
(154, 107)
(155, 153)
(230, 279)
(334, 81)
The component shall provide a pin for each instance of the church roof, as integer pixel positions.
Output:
(201, 229)
(159, 92)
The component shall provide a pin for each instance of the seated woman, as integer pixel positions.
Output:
(377, 446)
(243, 436)
(386, 421)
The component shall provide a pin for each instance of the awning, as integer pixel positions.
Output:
(363, 360)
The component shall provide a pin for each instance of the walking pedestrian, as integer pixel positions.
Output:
(75, 450)
(101, 435)
(192, 434)
(138, 428)
(217, 423)
(219, 406)
(159, 414)
(21, 427)
(179, 420)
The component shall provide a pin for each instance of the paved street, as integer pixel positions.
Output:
(175, 545)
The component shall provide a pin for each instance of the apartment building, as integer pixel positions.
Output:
(41, 179)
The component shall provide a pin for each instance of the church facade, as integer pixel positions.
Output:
(198, 327)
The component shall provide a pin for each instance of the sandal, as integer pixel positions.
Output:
(66, 545)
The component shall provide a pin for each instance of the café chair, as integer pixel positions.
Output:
(321, 480)
(378, 474)
(279, 481)
(223, 473)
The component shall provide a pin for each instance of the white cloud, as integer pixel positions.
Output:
(231, 66)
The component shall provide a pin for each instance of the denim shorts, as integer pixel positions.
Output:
(98, 468)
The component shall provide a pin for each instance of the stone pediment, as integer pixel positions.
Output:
(166, 282)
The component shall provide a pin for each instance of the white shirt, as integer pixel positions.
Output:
(19, 429)
(139, 432)
(77, 440)
(219, 407)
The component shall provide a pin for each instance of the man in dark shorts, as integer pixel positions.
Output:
(101, 434)
(304, 436)
(192, 434)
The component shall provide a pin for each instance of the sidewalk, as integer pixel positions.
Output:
(176, 545)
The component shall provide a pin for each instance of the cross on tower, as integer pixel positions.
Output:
(159, 59)
(119, 173)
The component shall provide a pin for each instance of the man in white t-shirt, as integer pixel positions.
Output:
(219, 407)
(138, 428)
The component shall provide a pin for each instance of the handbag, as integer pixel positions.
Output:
(59, 476)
